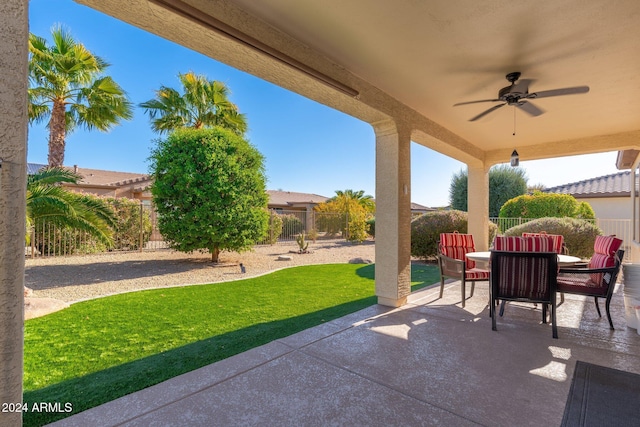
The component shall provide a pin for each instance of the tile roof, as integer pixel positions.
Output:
(604, 186)
(288, 198)
(98, 176)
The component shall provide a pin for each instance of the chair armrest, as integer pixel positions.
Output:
(449, 259)
(588, 270)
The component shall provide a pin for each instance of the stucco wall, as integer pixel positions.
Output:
(610, 207)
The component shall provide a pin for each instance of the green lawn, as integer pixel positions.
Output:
(99, 350)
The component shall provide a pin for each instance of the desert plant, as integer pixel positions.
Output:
(275, 228)
(132, 221)
(426, 229)
(313, 235)
(302, 243)
(579, 234)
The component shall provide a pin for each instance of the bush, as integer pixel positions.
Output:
(371, 222)
(291, 225)
(579, 235)
(541, 205)
(275, 228)
(127, 230)
(426, 229)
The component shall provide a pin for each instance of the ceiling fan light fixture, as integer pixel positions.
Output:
(515, 159)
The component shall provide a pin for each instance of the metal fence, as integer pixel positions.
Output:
(287, 225)
(618, 227)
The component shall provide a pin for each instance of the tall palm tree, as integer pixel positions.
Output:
(48, 201)
(204, 103)
(67, 86)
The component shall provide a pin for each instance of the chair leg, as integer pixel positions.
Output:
(492, 313)
(606, 306)
(473, 285)
(502, 307)
(597, 306)
(544, 313)
(463, 290)
(441, 286)
(554, 326)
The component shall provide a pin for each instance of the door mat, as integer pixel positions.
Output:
(601, 396)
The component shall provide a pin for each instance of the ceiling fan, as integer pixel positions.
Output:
(517, 95)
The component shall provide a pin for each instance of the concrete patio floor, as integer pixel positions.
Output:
(428, 363)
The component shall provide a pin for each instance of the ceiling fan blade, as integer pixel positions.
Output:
(484, 113)
(476, 102)
(559, 92)
(528, 107)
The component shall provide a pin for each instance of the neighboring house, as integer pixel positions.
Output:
(417, 209)
(107, 183)
(609, 195)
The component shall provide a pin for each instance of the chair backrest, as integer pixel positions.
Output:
(540, 243)
(524, 275)
(456, 245)
(605, 249)
(558, 240)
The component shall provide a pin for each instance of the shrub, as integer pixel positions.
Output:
(371, 222)
(579, 235)
(291, 225)
(275, 228)
(541, 205)
(426, 229)
(128, 226)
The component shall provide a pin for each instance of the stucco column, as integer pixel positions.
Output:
(478, 206)
(14, 31)
(393, 214)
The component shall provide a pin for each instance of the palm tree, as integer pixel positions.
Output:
(204, 103)
(48, 201)
(364, 200)
(66, 85)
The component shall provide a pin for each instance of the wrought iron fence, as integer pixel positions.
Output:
(619, 227)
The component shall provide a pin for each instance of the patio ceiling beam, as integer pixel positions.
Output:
(574, 147)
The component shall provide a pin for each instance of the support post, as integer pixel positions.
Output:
(14, 33)
(478, 206)
(393, 213)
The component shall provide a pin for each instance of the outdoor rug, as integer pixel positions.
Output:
(601, 396)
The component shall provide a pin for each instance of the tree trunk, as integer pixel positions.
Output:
(57, 134)
(215, 253)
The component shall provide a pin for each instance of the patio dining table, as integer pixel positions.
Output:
(563, 260)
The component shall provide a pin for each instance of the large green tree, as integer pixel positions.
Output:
(67, 87)
(209, 190)
(49, 201)
(505, 182)
(203, 103)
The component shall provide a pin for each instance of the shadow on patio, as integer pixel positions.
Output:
(428, 363)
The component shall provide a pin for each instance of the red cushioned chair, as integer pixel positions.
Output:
(558, 247)
(524, 276)
(599, 279)
(453, 263)
(529, 242)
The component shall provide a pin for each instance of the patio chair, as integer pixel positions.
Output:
(529, 242)
(599, 278)
(453, 264)
(558, 247)
(527, 277)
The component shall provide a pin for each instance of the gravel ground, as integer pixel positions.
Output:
(78, 278)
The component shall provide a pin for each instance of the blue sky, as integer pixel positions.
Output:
(308, 147)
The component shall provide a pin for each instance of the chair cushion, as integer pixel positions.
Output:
(558, 240)
(581, 284)
(605, 248)
(456, 245)
(541, 243)
(523, 278)
(476, 274)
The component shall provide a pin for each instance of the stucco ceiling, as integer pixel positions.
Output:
(418, 58)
